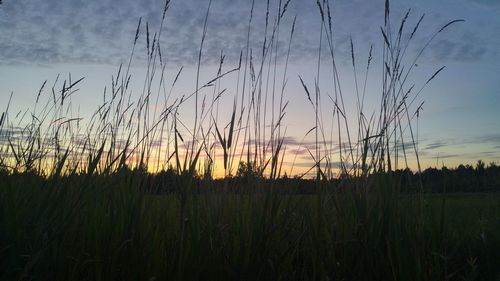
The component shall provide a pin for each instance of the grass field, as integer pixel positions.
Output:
(109, 230)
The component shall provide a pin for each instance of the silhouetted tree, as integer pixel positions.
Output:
(247, 170)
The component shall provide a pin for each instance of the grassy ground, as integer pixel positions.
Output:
(108, 230)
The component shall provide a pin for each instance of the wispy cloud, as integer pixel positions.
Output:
(93, 31)
(448, 156)
(489, 138)
(489, 3)
(436, 145)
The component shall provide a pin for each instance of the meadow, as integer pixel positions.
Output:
(108, 228)
(140, 191)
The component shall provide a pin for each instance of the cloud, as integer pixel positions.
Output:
(490, 138)
(92, 31)
(447, 156)
(436, 145)
(489, 3)
(10, 133)
(311, 164)
(470, 47)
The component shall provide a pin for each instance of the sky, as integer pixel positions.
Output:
(460, 121)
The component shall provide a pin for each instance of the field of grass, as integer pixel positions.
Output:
(106, 229)
(132, 192)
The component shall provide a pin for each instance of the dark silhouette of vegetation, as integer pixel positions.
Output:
(132, 225)
(462, 179)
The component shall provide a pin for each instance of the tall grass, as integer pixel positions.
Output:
(147, 131)
(130, 193)
(380, 138)
(110, 230)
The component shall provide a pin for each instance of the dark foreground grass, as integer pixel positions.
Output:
(106, 229)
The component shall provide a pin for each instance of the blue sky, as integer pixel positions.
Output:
(460, 121)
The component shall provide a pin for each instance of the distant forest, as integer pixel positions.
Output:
(464, 178)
